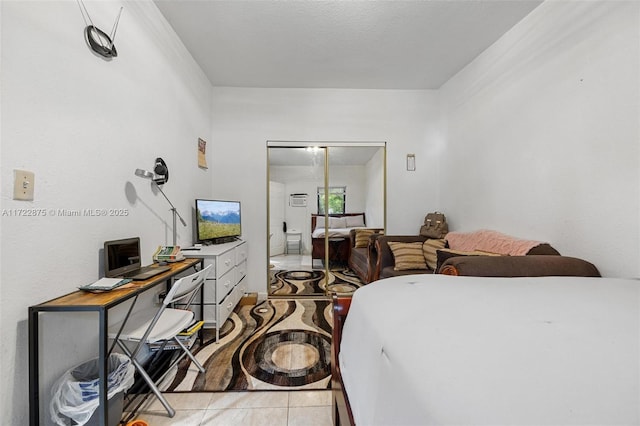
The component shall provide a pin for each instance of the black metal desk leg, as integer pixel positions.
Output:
(34, 373)
(103, 407)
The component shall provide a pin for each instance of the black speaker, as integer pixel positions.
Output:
(284, 226)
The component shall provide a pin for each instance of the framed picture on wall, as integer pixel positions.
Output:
(202, 154)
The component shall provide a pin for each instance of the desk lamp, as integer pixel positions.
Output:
(160, 176)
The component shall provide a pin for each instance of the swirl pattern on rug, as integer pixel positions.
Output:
(313, 282)
(279, 344)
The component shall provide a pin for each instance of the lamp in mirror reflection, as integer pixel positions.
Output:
(411, 162)
(160, 176)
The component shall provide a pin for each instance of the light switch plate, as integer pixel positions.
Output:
(23, 183)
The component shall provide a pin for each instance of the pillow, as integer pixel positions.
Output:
(319, 222)
(354, 221)
(337, 222)
(444, 254)
(407, 255)
(362, 237)
(429, 249)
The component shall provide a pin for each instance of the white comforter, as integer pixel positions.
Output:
(333, 233)
(436, 349)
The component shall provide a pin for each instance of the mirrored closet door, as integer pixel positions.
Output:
(319, 196)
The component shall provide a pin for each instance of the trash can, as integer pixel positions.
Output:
(75, 395)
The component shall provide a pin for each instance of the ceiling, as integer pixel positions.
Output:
(413, 44)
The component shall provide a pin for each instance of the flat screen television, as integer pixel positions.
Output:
(217, 221)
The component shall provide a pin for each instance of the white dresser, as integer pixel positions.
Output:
(225, 285)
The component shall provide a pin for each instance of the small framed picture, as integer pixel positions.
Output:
(202, 154)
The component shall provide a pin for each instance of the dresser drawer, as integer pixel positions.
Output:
(242, 288)
(226, 306)
(225, 283)
(226, 261)
(241, 253)
(216, 290)
(241, 271)
(236, 295)
(225, 310)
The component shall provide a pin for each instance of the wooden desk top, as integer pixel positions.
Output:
(83, 300)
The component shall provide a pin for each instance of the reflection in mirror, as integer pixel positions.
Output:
(310, 251)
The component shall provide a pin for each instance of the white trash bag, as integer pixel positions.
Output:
(75, 394)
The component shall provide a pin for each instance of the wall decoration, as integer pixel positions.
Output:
(100, 42)
(202, 154)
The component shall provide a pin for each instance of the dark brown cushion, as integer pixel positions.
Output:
(444, 254)
(519, 266)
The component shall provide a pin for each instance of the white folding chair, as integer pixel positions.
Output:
(161, 325)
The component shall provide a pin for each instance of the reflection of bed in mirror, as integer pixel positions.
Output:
(437, 349)
(339, 226)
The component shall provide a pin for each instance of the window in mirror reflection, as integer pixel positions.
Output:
(337, 199)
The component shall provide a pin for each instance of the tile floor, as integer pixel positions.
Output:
(291, 261)
(269, 408)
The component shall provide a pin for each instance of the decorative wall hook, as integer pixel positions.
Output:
(96, 39)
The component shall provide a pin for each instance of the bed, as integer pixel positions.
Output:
(437, 349)
(338, 231)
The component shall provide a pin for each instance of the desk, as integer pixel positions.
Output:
(81, 301)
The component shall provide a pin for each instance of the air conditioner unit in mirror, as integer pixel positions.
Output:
(298, 200)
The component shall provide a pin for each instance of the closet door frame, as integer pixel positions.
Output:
(326, 147)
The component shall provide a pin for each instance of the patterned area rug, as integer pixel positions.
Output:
(313, 282)
(279, 344)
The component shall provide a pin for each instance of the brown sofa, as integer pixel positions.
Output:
(362, 260)
(484, 265)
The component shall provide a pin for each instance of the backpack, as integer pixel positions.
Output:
(435, 226)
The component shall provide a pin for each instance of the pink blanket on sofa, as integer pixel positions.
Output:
(490, 241)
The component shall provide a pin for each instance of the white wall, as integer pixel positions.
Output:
(245, 119)
(83, 125)
(375, 207)
(542, 135)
